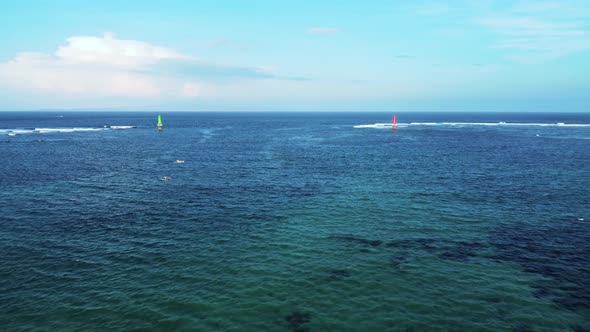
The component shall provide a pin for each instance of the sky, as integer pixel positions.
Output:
(256, 55)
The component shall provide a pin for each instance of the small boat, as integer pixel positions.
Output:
(166, 178)
(179, 161)
(160, 125)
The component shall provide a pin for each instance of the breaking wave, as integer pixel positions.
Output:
(451, 124)
(21, 131)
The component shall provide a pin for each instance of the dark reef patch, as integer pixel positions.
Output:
(420, 243)
(298, 321)
(559, 251)
(398, 262)
(521, 327)
(462, 251)
(339, 274)
(444, 249)
(357, 240)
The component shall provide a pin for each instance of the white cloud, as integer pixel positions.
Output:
(95, 67)
(322, 31)
(559, 9)
(191, 90)
(538, 32)
(43, 74)
(527, 26)
(108, 51)
(267, 68)
(100, 67)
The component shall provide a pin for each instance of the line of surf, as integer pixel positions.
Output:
(459, 124)
(21, 131)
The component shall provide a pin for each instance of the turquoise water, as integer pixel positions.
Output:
(294, 222)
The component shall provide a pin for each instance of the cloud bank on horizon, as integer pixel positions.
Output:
(439, 50)
(109, 67)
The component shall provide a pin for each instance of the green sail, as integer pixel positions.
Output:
(159, 120)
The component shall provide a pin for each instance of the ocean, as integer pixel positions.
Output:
(294, 222)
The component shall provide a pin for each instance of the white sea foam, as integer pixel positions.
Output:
(527, 124)
(20, 131)
(65, 130)
(375, 125)
(120, 127)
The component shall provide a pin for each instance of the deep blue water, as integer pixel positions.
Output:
(294, 222)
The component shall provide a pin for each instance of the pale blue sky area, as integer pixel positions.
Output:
(463, 55)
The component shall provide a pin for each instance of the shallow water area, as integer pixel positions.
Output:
(294, 222)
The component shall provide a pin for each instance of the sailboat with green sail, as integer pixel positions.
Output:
(160, 125)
